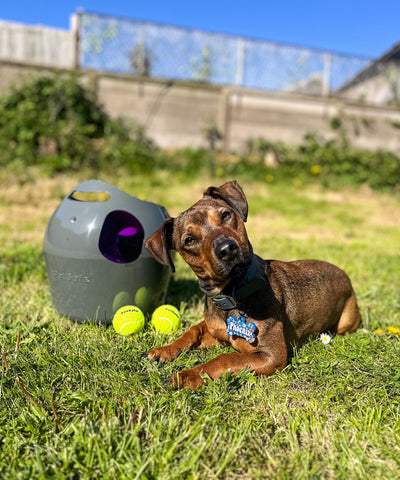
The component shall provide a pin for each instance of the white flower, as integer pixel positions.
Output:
(325, 338)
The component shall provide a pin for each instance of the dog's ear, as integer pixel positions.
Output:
(233, 195)
(159, 244)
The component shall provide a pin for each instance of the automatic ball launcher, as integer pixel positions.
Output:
(94, 253)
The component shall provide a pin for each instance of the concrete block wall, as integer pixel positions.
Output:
(176, 114)
(288, 118)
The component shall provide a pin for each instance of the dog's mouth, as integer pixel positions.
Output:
(239, 270)
(225, 273)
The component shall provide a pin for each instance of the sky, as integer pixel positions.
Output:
(358, 27)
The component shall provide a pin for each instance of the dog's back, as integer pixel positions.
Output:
(316, 297)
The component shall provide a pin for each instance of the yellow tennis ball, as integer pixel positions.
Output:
(166, 319)
(128, 319)
(121, 299)
(142, 297)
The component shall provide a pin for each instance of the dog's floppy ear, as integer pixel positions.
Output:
(233, 195)
(159, 244)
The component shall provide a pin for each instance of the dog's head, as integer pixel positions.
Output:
(210, 236)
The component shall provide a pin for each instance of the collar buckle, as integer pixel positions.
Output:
(224, 302)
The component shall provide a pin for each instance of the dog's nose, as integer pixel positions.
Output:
(226, 250)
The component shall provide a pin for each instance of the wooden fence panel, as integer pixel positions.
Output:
(36, 45)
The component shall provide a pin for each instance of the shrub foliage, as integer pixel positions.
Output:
(333, 163)
(54, 121)
(51, 117)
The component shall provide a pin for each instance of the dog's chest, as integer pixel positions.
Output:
(242, 345)
(217, 328)
(243, 338)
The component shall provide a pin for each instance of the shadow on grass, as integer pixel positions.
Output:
(183, 290)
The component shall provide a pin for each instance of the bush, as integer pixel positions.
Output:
(333, 163)
(52, 116)
(53, 120)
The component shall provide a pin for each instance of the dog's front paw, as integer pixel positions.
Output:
(165, 353)
(187, 378)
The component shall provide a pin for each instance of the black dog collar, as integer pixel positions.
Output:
(250, 283)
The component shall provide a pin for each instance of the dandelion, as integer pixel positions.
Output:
(325, 338)
(378, 331)
(269, 178)
(394, 331)
(219, 172)
(316, 169)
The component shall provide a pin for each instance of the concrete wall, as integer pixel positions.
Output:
(13, 73)
(174, 115)
(177, 114)
(288, 118)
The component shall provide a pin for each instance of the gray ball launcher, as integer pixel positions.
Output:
(94, 254)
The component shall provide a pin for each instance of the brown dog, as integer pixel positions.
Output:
(261, 307)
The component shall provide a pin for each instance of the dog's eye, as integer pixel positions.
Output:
(226, 215)
(188, 241)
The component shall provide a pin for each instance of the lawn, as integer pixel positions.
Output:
(79, 401)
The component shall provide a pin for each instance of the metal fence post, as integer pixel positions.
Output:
(326, 76)
(240, 62)
(76, 23)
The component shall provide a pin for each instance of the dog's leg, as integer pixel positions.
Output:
(350, 319)
(260, 363)
(196, 337)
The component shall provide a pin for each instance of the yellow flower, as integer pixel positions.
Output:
(219, 172)
(316, 169)
(394, 330)
(269, 178)
(378, 331)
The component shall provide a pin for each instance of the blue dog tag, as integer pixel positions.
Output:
(239, 327)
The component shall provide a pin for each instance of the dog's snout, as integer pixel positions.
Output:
(226, 249)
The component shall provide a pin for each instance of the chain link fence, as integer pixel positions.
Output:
(124, 45)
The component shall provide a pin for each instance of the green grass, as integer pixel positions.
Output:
(79, 401)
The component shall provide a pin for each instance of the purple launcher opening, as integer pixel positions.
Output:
(128, 232)
(121, 238)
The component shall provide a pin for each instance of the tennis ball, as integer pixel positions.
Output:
(166, 319)
(142, 297)
(122, 299)
(128, 319)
